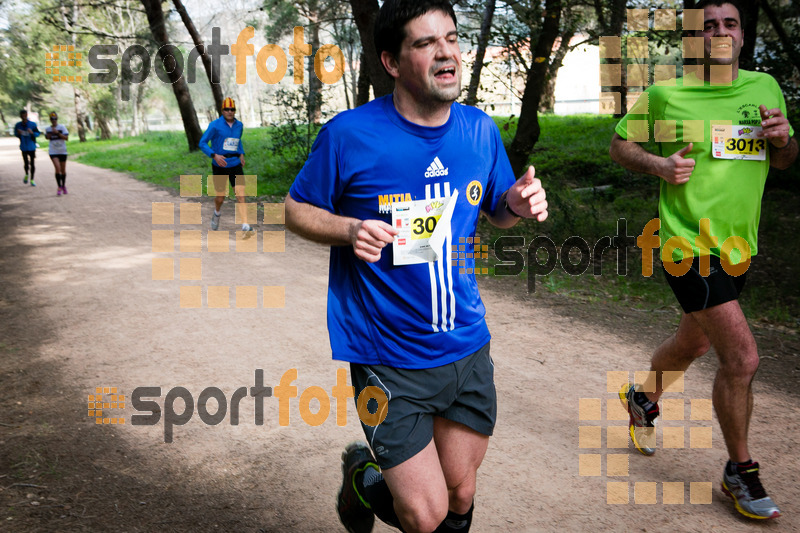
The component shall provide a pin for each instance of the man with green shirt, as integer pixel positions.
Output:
(718, 129)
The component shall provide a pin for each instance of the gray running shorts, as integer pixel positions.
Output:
(462, 391)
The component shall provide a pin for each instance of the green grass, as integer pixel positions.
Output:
(572, 153)
(162, 157)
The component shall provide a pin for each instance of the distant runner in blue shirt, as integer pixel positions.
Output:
(227, 159)
(394, 186)
(27, 131)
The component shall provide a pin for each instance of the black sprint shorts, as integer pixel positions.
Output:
(60, 157)
(219, 185)
(462, 391)
(696, 292)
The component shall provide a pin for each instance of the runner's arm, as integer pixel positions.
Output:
(675, 169)
(777, 130)
(524, 199)
(204, 140)
(367, 237)
(782, 158)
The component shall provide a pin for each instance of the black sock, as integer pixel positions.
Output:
(375, 492)
(735, 468)
(456, 523)
(63, 180)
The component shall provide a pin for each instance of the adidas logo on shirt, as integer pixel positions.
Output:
(435, 169)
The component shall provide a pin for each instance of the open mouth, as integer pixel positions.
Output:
(445, 73)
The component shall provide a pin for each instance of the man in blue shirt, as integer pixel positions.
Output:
(227, 159)
(415, 170)
(27, 132)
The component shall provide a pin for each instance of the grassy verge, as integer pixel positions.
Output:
(162, 157)
(571, 158)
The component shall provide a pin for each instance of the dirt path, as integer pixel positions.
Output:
(79, 309)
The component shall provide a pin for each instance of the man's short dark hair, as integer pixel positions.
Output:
(390, 25)
(735, 3)
(21, 111)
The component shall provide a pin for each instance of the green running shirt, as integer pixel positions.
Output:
(726, 191)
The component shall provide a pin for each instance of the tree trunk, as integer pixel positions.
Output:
(314, 83)
(354, 79)
(216, 88)
(549, 96)
(786, 41)
(365, 12)
(105, 131)
(80, 103)
(362, 90)
(480, 54)
(618, 16)
(746, 59)
(346, 93)
(159, 30)
(135, 112)
(118, 106)
(528, 127)
(80, 113)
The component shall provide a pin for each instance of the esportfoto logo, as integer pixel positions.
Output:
(436, 169)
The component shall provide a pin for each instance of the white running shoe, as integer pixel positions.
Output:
(215, 221)
(248, 231)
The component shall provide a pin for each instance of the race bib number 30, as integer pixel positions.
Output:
(738, 142)
(422, 227)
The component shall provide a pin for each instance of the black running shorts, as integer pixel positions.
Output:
(462, 391)
(60, 157)
(219, 185)
(696, 292)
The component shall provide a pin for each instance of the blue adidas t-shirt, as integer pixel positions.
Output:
(363, 160)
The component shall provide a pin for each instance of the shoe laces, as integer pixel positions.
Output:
(749, 477)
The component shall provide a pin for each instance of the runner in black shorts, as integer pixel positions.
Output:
(412, 328)
(696, 292)
(227, 155)
(710, 201)
(57, 134)
(27, 131)
(462, 391)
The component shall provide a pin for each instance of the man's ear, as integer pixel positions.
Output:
(390, 64)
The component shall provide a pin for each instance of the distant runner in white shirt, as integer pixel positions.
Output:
(57, 135)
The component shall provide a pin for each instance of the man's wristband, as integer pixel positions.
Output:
(213, 156)
(508, 207)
